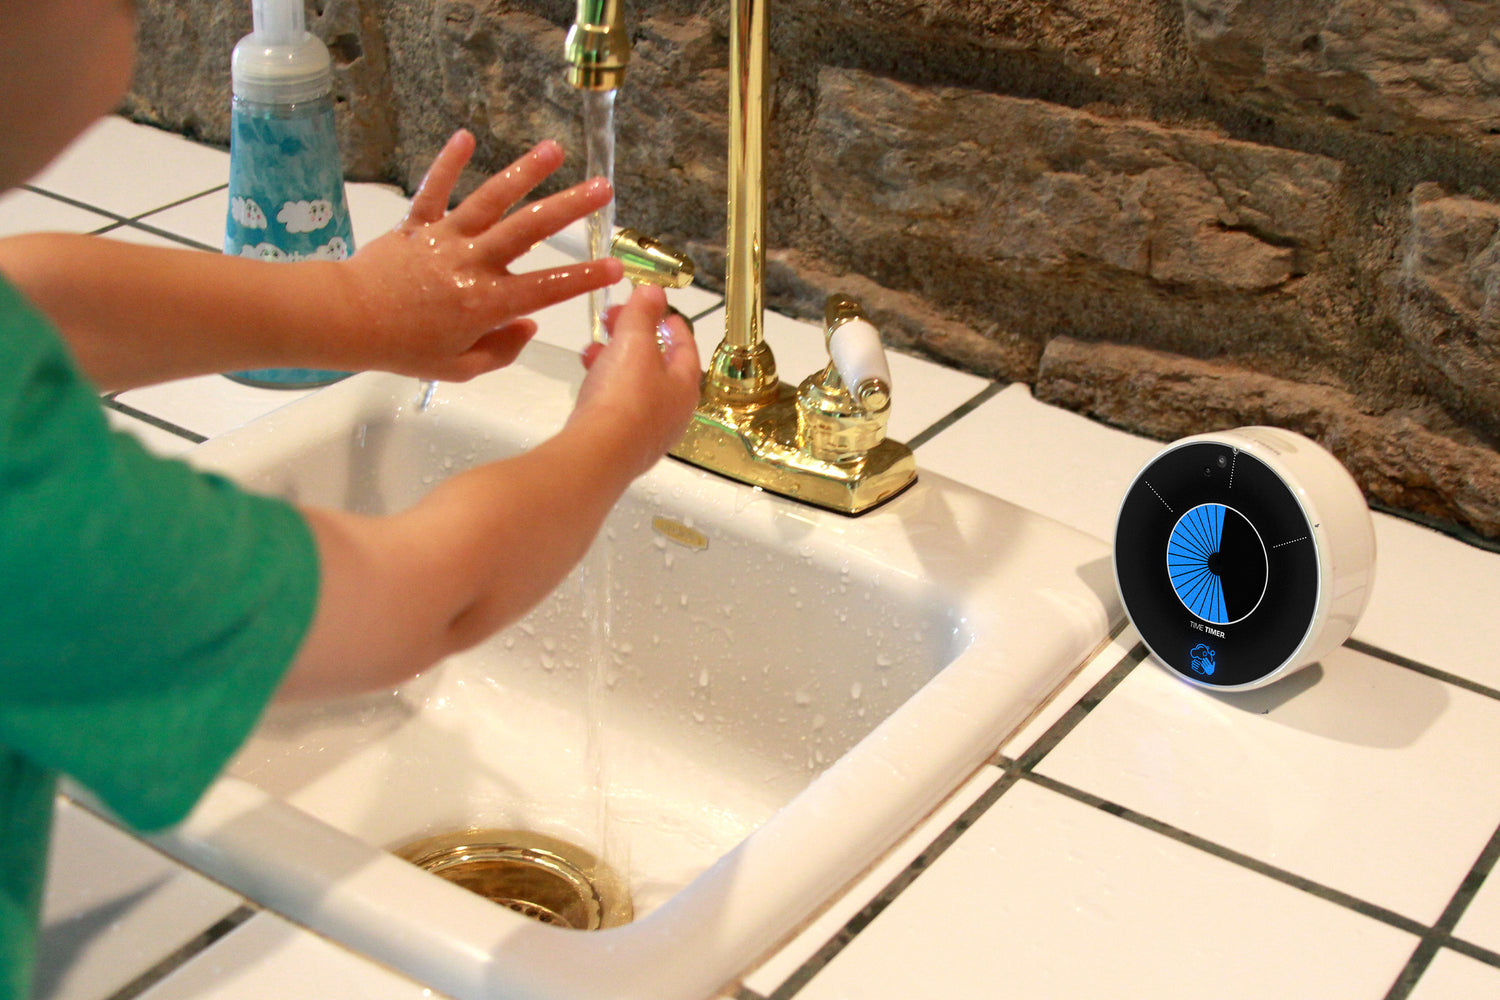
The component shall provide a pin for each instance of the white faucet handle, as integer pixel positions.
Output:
(860, 359)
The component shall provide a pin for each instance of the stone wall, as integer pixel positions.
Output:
(1172, 215)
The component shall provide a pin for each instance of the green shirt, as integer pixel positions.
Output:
(147, 611)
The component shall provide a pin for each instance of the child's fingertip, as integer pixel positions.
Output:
(611, 317)
(598, 188)
(675, 335)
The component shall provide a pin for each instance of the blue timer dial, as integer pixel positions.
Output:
(1216, 562)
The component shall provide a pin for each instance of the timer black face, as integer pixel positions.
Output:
(1217, 564)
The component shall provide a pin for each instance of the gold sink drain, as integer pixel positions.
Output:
(542, 877)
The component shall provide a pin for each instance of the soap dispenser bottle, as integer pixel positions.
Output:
(286, 181)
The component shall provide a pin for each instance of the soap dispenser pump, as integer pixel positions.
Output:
(286, 180)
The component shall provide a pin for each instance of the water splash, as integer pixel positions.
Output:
(424, 398)
(599, 146)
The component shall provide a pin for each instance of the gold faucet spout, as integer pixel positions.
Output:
(597, 47)
(824, 445)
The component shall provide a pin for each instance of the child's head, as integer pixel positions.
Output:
(63, 63)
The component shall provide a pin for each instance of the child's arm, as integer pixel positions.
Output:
(432, 298)
(399, 593)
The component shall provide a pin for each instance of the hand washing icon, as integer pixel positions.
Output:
(1201, 659)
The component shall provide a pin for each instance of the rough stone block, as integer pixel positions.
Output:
(1105, 39)
(1033, 186)
(1390, 65)
(182, 78)
(1399, 458)
(1449, 288)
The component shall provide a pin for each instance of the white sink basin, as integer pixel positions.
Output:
(742, 702)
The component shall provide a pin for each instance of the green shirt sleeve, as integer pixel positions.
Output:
(148, 610)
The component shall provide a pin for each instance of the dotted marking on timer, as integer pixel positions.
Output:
(1159, 497)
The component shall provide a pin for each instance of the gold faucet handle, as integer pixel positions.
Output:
(649, 261)
(857, 353)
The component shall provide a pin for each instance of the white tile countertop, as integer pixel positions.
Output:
(1330, 836)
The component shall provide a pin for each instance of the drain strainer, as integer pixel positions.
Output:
(542, 877)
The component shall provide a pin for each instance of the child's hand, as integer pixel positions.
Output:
(435, 296)
(638, 390)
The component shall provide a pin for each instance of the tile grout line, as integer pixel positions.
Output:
(1477, 952)
(1442, 932)
(183, 201)
(144, 227)
(1432, 938)
(713, 308)
(75, 203)
(1069, 720)
(187, 952)
(954, 415)
(1242, 860)
(99, 210)
(119, 221)
(852, 928)
(1008, 777)
(1396, 659)
(160, 424)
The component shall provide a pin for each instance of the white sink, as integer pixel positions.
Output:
(778, 695)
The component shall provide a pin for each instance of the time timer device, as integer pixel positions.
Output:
(1243, 555)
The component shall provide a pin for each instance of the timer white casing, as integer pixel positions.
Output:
(1341, 531)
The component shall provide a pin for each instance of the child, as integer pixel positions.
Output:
(149, 611)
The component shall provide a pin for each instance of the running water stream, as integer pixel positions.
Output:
(598, 576)
(599, 145)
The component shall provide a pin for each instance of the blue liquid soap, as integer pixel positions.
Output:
(286, 181)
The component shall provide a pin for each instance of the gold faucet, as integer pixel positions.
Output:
(823, 443)
(597, 47)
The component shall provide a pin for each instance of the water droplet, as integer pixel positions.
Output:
(703, 677)
(802, 697)
(855, 690)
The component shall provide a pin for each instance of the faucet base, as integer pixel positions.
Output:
(760, 448)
